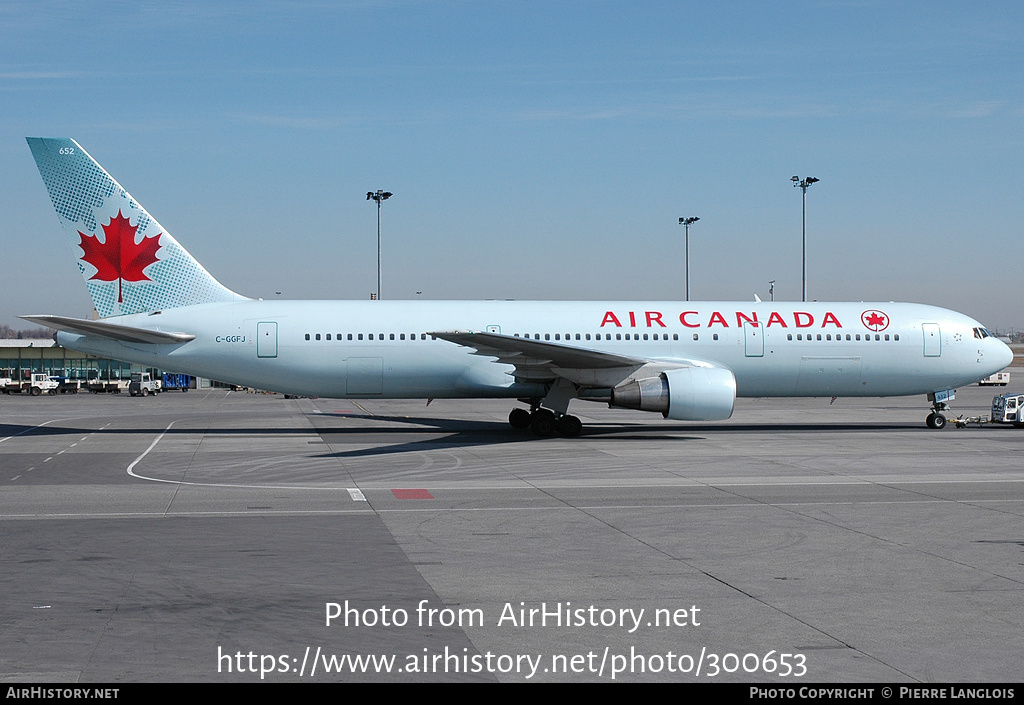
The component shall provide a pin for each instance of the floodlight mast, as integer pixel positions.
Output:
(802, 184)
(686, 223)
(379, 197)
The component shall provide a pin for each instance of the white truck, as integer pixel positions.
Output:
(143, 384)
(999, 379)
(1008, 408)
(38, 383)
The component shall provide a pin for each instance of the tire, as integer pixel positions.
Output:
(36, 391)
(543, 423)
(569, 426)
(936, 421)
(144, 392)
(519, 419)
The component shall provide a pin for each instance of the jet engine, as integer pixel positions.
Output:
(685, 394)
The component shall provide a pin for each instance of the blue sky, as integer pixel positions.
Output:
(536, 150)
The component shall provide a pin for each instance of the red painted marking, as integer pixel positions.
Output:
(412, 494)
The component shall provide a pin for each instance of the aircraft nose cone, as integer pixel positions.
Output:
(1003, 355)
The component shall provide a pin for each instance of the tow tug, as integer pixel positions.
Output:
(1006, 408)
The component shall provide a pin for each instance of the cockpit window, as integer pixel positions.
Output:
(981, 333)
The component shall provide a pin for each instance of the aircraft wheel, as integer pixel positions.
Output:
(543, 423)
(936, 421)
(519, 419)
(569, 426)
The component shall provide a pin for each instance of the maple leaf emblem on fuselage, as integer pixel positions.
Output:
(118, 256)
(875, 320)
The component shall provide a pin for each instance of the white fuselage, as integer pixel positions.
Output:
(361, 349)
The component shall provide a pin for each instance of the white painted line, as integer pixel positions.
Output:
(356, 495)
(146, 452)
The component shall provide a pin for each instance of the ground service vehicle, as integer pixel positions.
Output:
(143, 384)
(1008, 408)
(175, 381)
(38, 383)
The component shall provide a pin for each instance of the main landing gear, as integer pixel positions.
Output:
(545, 423)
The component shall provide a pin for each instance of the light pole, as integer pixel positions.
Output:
(378, 197)
(802, 184)
(771, 289)
(686, 223)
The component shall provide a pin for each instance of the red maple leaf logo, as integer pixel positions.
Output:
(118, 257)
(875, 320)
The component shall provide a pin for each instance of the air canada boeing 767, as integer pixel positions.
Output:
(689, 361)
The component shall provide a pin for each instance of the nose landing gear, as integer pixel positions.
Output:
(937, 419)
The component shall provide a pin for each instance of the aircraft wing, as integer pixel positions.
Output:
(128, 334)
(537, 360)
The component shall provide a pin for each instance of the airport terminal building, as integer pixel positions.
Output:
(19, 358)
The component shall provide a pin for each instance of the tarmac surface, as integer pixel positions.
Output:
(208, 536)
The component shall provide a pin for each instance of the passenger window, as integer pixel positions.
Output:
(715, 336)
(318, 336)
(307, 336)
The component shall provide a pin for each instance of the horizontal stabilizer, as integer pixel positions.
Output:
(109, 330)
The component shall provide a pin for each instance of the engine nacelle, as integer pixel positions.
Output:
(685, 394)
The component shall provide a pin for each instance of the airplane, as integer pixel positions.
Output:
(689, 361)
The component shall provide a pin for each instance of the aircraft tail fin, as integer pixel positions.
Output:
(130, 263)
